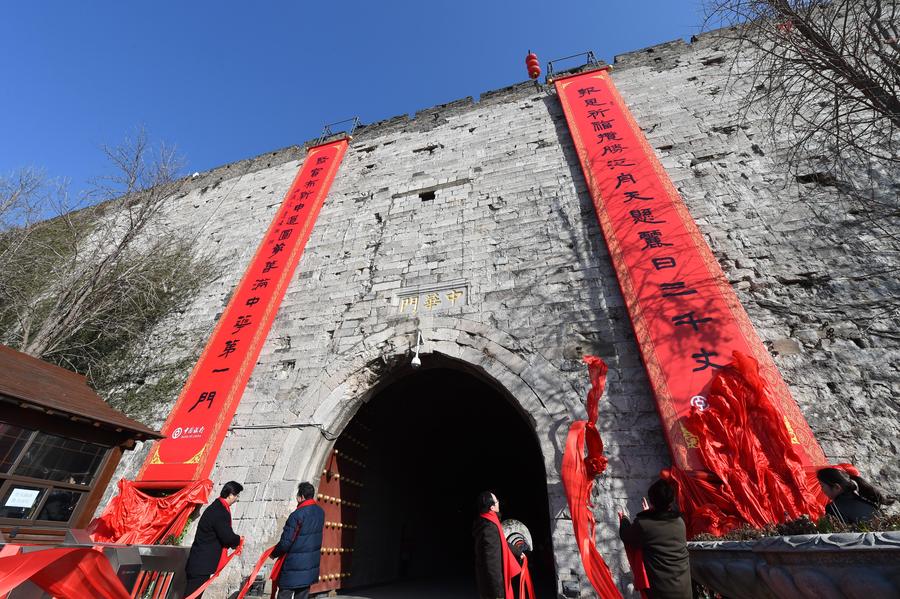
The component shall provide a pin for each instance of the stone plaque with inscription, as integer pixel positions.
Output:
(432, 298)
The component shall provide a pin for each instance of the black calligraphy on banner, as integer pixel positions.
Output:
(597, 110)
(687, 319)
(197, 425)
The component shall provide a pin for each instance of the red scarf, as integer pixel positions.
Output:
(276, 569)
(511, 566)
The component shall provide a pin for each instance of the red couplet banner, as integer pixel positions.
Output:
(687, 319)
(196, 427)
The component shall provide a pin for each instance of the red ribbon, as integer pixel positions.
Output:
(526, 587)
(74, 572)
(578, 473)
(222, 563)
(635, 557)
(259, 564)
(64, 573)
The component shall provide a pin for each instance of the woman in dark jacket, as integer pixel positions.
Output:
(300, 546)
(853, 499)
(660, 534)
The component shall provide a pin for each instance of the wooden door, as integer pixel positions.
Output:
(339, 492)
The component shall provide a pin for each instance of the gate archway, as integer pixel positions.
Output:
(399, 484)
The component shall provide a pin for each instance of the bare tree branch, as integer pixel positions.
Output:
(82, 287)
(827, 70)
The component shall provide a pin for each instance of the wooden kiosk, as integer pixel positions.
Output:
(59, 446)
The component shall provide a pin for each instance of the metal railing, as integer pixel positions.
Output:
(328, 131)
(552, 68)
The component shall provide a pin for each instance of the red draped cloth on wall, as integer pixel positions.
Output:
(755, 475)
(74, 573)
(133, 516)
(749, 457)
(578, 473)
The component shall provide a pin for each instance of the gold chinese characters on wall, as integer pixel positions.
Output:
(432, 299)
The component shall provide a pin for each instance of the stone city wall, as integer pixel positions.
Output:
(488, 196)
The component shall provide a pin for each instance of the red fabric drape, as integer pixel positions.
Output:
(64, 573)
(74, 573)
(578, 473)
(755, 475)
(134, 517)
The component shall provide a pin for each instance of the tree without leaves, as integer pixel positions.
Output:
(829, 73)
(20, 195)
(83, 287)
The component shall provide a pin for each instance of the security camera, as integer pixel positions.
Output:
(417, 361)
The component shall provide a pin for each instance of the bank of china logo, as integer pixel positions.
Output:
(699, 402)
(176, 433)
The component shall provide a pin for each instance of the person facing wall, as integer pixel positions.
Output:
(660, 533)
(299, 548)
(214, 535)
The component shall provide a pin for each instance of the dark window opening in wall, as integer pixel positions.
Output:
(426, 196)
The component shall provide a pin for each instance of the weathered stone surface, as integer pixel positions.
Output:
(511, 217)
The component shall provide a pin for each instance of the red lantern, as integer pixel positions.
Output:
(532, 64)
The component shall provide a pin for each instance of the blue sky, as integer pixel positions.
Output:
(229, 80)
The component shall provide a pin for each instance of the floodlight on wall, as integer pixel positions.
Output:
(417, 361)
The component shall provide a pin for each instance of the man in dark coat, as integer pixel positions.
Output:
(213, 535)
(661, 535)
(300, 547)
(495, 559)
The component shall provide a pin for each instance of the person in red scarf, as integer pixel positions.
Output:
(496, 561)
(299, 549)
(213, 536)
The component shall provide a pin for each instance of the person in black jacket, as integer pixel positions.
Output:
(489, 575)
(300, 546)
(853, 500)
(213, 535)
(661, 535)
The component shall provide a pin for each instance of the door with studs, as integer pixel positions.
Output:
(338, 493)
